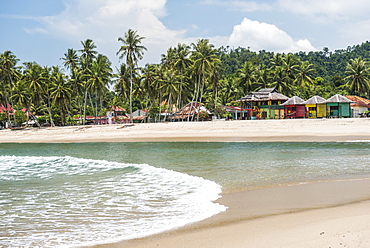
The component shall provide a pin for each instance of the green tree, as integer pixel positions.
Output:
(133, 52)
(358, 76)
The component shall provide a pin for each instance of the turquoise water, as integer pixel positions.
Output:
(56, 195)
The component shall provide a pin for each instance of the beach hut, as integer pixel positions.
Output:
(294, 108)
(265, 104)
(338, 106)
(359, 105)
(192, 111)
(237, 113)
(315, 107)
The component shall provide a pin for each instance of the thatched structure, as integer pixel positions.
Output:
(192, 111)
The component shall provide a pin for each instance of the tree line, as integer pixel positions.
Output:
(88, 85)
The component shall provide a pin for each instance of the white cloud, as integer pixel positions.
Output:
(260, 35)
(104, 21)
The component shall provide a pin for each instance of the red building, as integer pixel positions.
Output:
(294, 108)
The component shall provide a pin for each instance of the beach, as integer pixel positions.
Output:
(324, 213)
(297, 130)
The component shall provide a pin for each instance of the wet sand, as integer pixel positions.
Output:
(324, 214)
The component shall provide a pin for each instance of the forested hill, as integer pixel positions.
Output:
(330, 65)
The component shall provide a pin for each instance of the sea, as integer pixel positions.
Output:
(80, 194)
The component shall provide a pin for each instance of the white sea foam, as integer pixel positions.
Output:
(66, 201)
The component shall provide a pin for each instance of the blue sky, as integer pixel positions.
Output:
(43, 30)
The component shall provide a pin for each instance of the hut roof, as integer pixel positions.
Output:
(359, 101)
(193, 108)
(315, 100)
(266, 94)
(295, 100)
(338, 98)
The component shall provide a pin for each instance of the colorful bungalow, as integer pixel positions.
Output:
(359, 105)
(294, 108)
(315, 107)
(338, 106)
(265, 104)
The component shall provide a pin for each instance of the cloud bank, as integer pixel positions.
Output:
(263, 36)
(104, 21)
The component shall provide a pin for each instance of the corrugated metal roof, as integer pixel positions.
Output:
(315, 100)
(338, 98)
(266, 94)
(295, 100)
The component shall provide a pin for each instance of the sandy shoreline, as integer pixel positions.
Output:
(326, 214)
(304, 130)
(331, 214)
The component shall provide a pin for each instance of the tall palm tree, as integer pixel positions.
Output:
(88, 53)
(304, 76)
(133, 52)
(182, 63)
(36, 79)
(70, 59)
(358, 79)
(205, 59)
(8, 75)
(61, 93)
(247, 77)
(99, 76)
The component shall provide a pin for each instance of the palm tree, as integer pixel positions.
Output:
(304, 74)
(36, 79)
(280, 81)
(205, 59)
(132, 51)
(60, 93)
(8, 74)
(358, 76)
(98, 78)
(247, 77)
(70, 59)
(181, 63)
(88, 53)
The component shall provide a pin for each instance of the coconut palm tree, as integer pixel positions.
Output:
(71, 59)
(8, 75)
(99, 76)
(133, 52)
(36, 79)
(205, 59)
(358, 79)
(61, 93)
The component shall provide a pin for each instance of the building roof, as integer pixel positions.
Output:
(266, 94)
(295, 100)
(140, 113)
(315, 100)
(192, 108)
(338, 98)
(359, 101)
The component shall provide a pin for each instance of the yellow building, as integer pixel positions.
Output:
(315, 107)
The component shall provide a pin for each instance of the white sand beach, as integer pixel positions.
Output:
(260, 130)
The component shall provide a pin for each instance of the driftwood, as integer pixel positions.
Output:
(126, 125)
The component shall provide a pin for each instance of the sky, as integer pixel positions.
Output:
(42, 31)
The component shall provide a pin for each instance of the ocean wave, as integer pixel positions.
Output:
(67, 201)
